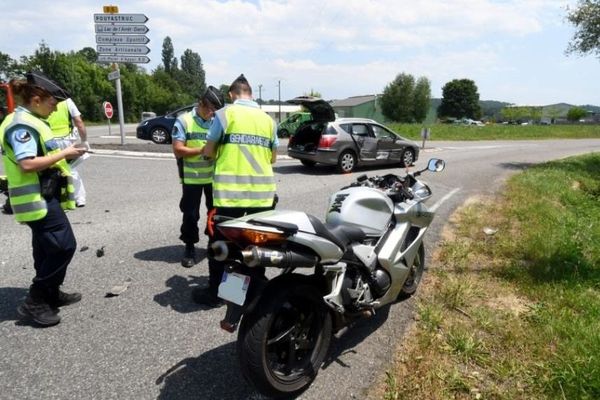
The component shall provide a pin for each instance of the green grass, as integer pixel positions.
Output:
(515, 315)
(498, 132)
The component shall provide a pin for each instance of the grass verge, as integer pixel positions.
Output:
(513, 313)
(498, 132)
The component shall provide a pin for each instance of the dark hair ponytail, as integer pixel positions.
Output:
(25, 91)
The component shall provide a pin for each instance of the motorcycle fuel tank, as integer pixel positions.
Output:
(366, 208)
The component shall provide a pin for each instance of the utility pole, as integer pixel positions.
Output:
(279, 99)
(260, 95)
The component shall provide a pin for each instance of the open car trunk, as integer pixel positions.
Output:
(307, 137)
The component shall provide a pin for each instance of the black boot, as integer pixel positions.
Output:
(39, 311)
(189, 256)
(60, 299)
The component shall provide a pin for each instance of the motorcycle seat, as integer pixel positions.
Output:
(341, 235)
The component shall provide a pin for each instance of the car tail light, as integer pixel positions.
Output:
(327, 141)
(291, 140)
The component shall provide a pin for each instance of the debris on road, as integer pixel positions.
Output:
(100, 252)
(119, 289)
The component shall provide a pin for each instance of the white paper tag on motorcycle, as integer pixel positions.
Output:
(234, 287)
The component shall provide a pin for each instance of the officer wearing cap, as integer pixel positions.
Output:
(40, 188)
(195, 171)
(243, 141)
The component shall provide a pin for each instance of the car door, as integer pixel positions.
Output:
(389, 147)
(366, 142)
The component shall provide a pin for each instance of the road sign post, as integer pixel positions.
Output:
(120, 38)
(108, 112)
(425, 132)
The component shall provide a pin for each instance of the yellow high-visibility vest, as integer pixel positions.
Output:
(196, 170)
(60, 120)
(243, 171)
(24, 187)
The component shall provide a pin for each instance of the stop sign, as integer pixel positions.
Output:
(108, 109)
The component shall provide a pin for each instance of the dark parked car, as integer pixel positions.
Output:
(159, 129)
(346, 142)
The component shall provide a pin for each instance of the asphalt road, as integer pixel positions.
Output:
(152, 341)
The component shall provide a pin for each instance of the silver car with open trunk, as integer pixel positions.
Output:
(346, 142)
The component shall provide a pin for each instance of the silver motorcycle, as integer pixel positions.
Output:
(367, 254)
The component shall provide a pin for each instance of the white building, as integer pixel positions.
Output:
(286, 110)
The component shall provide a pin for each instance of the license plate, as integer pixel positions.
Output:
(234, 287)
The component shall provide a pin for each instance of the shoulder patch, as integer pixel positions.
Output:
(23, 137)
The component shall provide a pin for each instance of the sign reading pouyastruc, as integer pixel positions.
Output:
(120, 37)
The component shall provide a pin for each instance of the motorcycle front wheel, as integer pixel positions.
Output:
(415, 274)
(282, 344)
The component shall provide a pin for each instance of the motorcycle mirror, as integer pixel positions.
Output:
(436, 165)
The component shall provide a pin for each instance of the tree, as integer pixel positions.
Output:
(224, 89)
(191, 75)
(397, 98)
(460, 99)
(168, 54)
(89, 54)
(586, 19)
(421, 99)
(576, 113)
(313, 93)
(7, 66)
(404, 101)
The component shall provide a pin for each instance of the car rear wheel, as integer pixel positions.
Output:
(283, 133)
(408, 157)
(159, 135)
(346, 162)
(308, 163)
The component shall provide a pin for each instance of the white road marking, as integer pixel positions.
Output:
(132, 155)
(443, 199)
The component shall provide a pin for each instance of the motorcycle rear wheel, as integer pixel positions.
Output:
(282, 344)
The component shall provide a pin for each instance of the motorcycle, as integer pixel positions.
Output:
(367, 254)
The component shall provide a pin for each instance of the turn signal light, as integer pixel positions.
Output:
(251, 236)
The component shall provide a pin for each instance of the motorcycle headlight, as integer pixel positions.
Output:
(421, 190)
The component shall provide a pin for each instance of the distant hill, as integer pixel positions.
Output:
(491, 109)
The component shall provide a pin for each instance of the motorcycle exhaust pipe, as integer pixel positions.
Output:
(254, 256)
(221, 251)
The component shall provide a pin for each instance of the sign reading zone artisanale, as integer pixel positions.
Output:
(120, 37)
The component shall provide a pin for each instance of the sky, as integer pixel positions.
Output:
(514, 50)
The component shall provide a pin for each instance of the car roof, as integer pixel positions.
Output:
(367, 120)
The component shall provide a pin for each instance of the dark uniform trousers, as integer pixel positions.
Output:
(216, 268)
(190, 207)
(53, 248)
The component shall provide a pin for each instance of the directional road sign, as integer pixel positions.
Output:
(120, 18)
(114, 75)
(121, 39)
(129, 50)
(107, 58)
(121, 29)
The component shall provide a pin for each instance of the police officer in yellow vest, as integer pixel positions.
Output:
(243, 141)
(40, 188)
(62, 122)
(196, 172)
